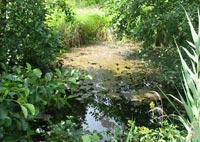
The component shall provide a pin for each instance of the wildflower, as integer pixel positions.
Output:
(151, 105)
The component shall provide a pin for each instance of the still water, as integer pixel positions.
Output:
(120, 89)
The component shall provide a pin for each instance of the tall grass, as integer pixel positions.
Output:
(92, 22)
(191, 86)
(86, 24)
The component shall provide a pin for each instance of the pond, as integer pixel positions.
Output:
(120, 90)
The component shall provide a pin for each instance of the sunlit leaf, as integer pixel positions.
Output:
(37, 72)
(26, 91)
(24, 110)
(31, 108)
(194, 34)
(58, 72)
(28, 67)
(86, 138)
(72, 80)
(194, 58)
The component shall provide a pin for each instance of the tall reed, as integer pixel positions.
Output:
(191, 85)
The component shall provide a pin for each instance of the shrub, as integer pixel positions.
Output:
(151, 22)
(166, 133)
(24, 92)
(24, 36)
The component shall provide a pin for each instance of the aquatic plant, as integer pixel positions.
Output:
(191, 86)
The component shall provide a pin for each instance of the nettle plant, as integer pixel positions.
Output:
(24, 92)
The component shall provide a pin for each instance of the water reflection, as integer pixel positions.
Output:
(103, 124)
(113, 96)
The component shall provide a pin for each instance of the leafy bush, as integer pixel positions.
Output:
(24, 92)
(166, 133)
(89, 2)
(67, 131)
(24, 36)
(77, 27)
(58, 12)
(151, 22)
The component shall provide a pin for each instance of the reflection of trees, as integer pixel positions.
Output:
(76, 109)
(121, 110)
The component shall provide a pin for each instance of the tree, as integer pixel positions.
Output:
(156, 22)
(24, 36)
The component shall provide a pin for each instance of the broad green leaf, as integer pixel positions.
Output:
(71, 96)
(31, 108)
(26, 91)
(8, 122)
(28, 67)
(3, 112)
(5, 94)
(65, 72)
(86, 138)
(58, 72)
(30, 132)
(95, 138)
(48, 76)
(24, 110)
(24, 124)
(37, 72)
(72, 80)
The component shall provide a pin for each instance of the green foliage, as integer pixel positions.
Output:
(24, 37)
(151, 22)
(68, 131)
(89, 2)
(191, 80)
(166, 133)
(75, 26)
(92, 23)
(58, 12)
(24, 92)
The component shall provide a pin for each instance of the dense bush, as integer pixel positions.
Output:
(152, 22)
(24, 37)
(24, 92)
(89, 2)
